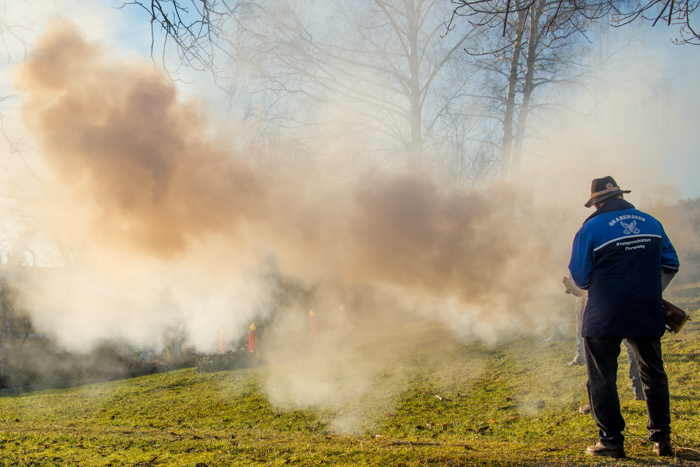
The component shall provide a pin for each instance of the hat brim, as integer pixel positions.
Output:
(597, 199)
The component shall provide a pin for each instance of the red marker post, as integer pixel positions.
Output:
(222, 340)
(251, 338)
(312, 317)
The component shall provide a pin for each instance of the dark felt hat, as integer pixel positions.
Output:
(604, 188)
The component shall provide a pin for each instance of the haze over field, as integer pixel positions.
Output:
(158, 211)
(141, 181)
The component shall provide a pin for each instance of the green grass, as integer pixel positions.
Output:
(414, 396)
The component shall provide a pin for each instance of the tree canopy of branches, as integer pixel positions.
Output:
(380, 69)
(382, 64)
(621, 12)
(197, 29)
(537, 47)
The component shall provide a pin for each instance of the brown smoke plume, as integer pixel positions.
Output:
(114, 130)
(156, 184)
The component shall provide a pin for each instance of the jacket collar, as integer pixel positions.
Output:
(617, 204)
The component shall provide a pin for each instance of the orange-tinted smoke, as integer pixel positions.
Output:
(463, 245)
(406, 232)
(115, 131)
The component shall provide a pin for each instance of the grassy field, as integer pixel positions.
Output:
(412, 397)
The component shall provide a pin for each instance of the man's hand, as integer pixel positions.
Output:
(567, 284)
(571, 287)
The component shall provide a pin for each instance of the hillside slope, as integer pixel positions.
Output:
(412, 396)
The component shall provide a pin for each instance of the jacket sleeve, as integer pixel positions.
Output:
(582, 259)
(669, 258)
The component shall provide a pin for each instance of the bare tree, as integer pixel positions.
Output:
(197, 29)
(621, 12)
(382, 64)
(537, 47)
(15, 39)
(672, 12)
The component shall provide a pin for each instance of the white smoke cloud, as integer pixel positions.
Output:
(462, 260)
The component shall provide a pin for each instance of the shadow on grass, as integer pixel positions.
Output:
(682, 398)
(27, 390)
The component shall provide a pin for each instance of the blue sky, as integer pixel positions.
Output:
(127, 31)
(682, 67)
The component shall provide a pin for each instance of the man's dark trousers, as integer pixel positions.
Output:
(601, 363)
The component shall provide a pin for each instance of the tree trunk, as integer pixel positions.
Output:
(533, 42)
(507, 141)
(415, 143)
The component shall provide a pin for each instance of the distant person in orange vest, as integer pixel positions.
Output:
(222, 340)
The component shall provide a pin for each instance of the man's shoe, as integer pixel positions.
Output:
(576, 361)
(600, 449)
(585, 409)
(663, 448)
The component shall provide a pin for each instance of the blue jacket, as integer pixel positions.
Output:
(617, 256)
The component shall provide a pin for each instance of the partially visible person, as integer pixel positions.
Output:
(580, 358)
(579, 306)
(624, 259)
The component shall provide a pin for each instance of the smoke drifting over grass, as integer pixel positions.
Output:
(162, 221)
(174, 225)
(166, 208)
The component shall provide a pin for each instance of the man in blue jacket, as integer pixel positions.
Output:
(624, 259)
